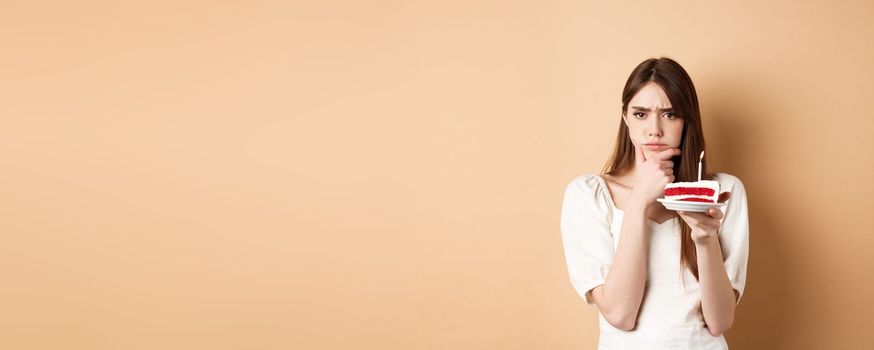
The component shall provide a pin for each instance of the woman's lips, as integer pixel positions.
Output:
(655, 146)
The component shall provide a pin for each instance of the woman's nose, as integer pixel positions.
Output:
(655, 128)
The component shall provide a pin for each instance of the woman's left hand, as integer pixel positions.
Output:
(705, 226)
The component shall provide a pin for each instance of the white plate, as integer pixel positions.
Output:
(688, 206)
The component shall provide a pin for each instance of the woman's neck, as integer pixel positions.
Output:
(628, 177)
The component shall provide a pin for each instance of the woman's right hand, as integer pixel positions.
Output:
(656, 172)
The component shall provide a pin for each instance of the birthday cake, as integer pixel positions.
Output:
(699, 191)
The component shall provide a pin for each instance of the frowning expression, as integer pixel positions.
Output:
(652, 123)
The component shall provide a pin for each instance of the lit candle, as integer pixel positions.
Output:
(699, 165)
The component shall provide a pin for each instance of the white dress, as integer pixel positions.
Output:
(670, 315)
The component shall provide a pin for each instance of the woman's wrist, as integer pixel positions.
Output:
(705, 242)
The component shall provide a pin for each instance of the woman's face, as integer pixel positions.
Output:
(652, 124)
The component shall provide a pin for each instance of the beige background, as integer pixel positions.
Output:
(389, 174)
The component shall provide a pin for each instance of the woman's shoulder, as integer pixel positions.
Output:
(587, 182)
(588, 190)
(591, 187)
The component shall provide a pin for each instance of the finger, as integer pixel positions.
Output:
(723, 197)
(666, 164)
(715, 213)
(668, 153)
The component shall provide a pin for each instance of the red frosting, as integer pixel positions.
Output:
(689, 191)
(694, 199)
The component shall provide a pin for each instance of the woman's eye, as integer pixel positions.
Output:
(639, 114)
(670, 115)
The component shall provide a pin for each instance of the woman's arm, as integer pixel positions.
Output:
(620, 296)
(718, 297)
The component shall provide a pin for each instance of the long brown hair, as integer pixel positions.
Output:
(678, 86)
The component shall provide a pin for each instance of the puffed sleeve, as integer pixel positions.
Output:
(734, 235)
(585, 230)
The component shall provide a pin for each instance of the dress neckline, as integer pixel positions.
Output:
(613, 204)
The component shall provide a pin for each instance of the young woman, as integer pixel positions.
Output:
(661, 279)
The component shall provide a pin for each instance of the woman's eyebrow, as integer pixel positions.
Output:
(670, 109)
